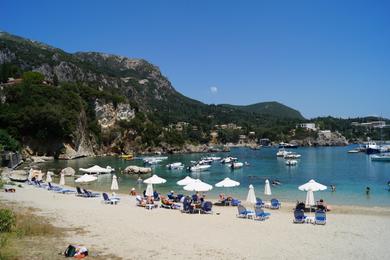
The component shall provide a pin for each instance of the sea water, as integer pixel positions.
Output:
(350, 173)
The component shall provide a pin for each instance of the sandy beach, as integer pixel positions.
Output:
(131, 232)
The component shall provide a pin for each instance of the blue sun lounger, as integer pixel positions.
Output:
(275, 204)
(259, 202)
(108, 200)
(207, 207)
(299, 216)
(244, 213)
(260, 214)
(320, 217)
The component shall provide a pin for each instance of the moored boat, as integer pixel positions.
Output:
(385, 157)
(291, 162)
(199, 168)
(236, 165)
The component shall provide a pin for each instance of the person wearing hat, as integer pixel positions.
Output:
(133, 192)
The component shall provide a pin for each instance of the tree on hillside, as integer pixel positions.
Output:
(32, 77)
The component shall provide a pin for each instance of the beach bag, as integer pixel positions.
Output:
(70, 251)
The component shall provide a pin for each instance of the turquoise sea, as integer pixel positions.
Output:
(351, 173)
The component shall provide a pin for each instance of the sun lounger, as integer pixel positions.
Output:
(244, 213)
(207, 207)
(80, 193)
(187, 207)
(53, 188)
(275, 204)
(90, 194)
(235, 202)
(259, 202)
(320, 217)
(299, 216)
(260, 214)
(108, 200)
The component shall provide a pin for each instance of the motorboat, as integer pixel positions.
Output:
(236, 165)
(292, 156)
(372, 147)
(212, 158)
(175, 166)
(282, 153)
(228, 160)
(354, 151)
(199, 168)
(287, 145)
(291, 162)
(385, 157)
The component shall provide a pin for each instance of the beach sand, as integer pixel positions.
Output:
(132, 232)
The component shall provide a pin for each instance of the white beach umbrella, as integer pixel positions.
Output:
(86, 178)
(310, 198)
(155, 180)
(267, 188)
(312, 185)
(149, 190)
(96, 169)
(198, 185)
(187, 180)
(251, 198)
(62, 179)
(48, 177)
(114, 184)
(227, 183)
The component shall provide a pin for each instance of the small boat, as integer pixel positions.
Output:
(381, 157)
(282, 153)
(199, 168)
(129, 156)
(291, 162)
(18, 175)
(228, 159)
(354, 151)
(212, 158)
(292, 156)
(236, 165)
(287, 145)
(175, 166)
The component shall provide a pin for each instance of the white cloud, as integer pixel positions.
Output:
(214, 90)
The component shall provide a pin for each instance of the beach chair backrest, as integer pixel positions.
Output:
(79, 190)
(274, 202)
(259, 211)
(259, 202)
(195, 197)
(51, 187)
(207, 206)
(299, 214)
(105, 196)
(241, 209)
(235, 202)
(320, 215)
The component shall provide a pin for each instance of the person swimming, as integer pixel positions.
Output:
(368, 189)
(333, 188)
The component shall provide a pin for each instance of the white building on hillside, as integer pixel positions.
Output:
(307, 126)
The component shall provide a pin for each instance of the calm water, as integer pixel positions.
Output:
(351, 173)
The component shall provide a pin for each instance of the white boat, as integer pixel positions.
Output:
(291, 162)
(236, 165)
(175, 166)
(199, 168)
(292, 156)
(228, 159)
(212, 158)
(354, 151)
(282, 153)
(385, 157)
(152, 161)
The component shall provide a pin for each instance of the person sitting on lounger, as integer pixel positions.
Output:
(133, 192)
(222, 197)
(165, 201)
(149, 200)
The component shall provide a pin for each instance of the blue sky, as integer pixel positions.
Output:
(320, 57)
